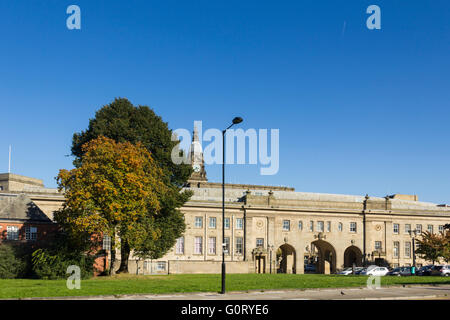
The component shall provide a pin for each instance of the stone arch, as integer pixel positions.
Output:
(352, 255)
(326, 259)
(286, 259)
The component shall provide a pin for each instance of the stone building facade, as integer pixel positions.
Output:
(275, 229)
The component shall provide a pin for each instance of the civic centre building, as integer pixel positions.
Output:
(268, 229)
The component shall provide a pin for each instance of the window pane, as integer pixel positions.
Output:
(212, 245)
(198, 245)
(239, 246)
(212, 222)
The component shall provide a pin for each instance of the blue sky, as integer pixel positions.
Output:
(359, 111)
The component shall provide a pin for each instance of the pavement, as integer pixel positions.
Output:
(410, 292)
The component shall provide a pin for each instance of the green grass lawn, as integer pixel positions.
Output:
(131, 284)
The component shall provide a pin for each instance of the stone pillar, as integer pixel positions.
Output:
(339, 258)
(327, 267)
(248, 240)
(289, 262)
(300, 261)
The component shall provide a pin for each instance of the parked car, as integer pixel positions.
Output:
(441, 270)
(425, 270)
(406, 271)
(310, 268)
(395, 272)
(359, 272)
(349, 270)
(378, 271)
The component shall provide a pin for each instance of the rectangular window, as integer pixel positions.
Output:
(396, 228)
(311, 226)
(378, 245)
(260, 242)
(407, 228)
(419, 228)
(106, 242)
(180, 246)
(352, 226)
(212, 245)
(161, 266)
(300, 225)
(212, 222)
(239, 223)
(441, 229)
(286, 225)
(30, 233)
(12, 233)
(239, 245)
(227, 223)
(408, 249)
(227, 245)
(430, 228)
(198, 245)
(329, 226)
(320, 226)
(199, 222)
(396, 248)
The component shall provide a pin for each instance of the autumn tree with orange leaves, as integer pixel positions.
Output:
(116, 188)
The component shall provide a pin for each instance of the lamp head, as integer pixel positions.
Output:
(237, 120)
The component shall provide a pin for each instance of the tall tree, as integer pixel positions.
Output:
(115, 186)
(121, 121)
(429, 247)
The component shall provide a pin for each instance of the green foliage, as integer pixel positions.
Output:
(12, 262)
(121, 121)
(151, 235)
(53, 265)
(432, 247)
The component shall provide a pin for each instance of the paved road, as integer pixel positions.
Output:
(396, 293)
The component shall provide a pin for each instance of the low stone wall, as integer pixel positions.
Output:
(207, 267)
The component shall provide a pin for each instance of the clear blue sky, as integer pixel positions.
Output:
(359, 111)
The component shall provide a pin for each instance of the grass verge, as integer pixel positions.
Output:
(132, 284)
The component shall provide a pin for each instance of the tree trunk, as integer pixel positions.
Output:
(124, 255)
(113, 255)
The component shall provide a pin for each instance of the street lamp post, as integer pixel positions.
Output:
(235, 121)
(413, 234)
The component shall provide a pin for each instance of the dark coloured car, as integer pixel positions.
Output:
(395, 272)
(425, 270)
(310, 268)
(441, 270)
(406, 271)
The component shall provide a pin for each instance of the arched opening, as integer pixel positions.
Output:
(352, 255)
(286, 258)
(326, 257)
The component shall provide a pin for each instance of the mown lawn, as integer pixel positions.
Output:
(131, 284)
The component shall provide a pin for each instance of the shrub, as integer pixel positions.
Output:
(52, 264)
(12, 264)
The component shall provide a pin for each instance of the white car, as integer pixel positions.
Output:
(349, 270)
(378, 271)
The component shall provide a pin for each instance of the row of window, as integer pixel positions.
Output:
(213, 223)
(320, 226)
(12, 233)
(212, 245)
(407, 252)
(407, 229)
